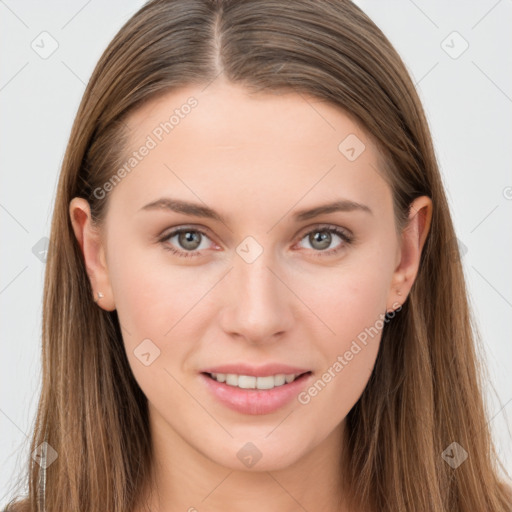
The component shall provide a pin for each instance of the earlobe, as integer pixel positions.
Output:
(89, 239)
(413, 240)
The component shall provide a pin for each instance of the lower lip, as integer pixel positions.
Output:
(256, 401)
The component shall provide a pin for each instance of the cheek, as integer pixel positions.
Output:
(352, 303)
(151, 294)
(348, 355)
(157, 305)
(349, 299)
(154, 305)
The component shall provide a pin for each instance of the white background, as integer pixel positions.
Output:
(468, 101)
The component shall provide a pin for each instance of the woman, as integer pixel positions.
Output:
(204, 348)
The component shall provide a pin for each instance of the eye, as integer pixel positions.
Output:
(189, 239)
(322, 237)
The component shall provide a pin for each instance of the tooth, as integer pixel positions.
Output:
(246, 382)
(232, 379)
(279, 379)
(253, 382)
(265, 382)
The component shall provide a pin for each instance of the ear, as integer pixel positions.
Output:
(89, 238)
(409, 252)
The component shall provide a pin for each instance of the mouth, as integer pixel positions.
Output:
(256, 382)
(255, 395)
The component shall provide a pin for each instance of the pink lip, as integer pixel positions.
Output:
(257, 371)
(255, 401)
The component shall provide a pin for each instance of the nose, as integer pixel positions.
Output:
(257, 304)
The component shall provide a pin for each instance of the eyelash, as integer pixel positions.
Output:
(347, 239)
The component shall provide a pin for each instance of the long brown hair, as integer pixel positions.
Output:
(426, 388)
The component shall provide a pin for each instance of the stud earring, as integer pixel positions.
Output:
(398, 292)
(100, 296)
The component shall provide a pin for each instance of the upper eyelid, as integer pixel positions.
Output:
(325, 227)
(177, 229)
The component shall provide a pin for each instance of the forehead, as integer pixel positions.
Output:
(221, 140)
(224, 115)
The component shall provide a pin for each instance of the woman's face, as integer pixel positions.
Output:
(254, 281)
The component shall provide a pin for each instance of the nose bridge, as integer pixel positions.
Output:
(259, 306)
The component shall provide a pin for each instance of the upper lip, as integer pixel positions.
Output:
(258, 371)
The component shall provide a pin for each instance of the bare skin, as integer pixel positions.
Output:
(256, 160)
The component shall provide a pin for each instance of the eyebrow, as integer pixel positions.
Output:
(197, 210)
